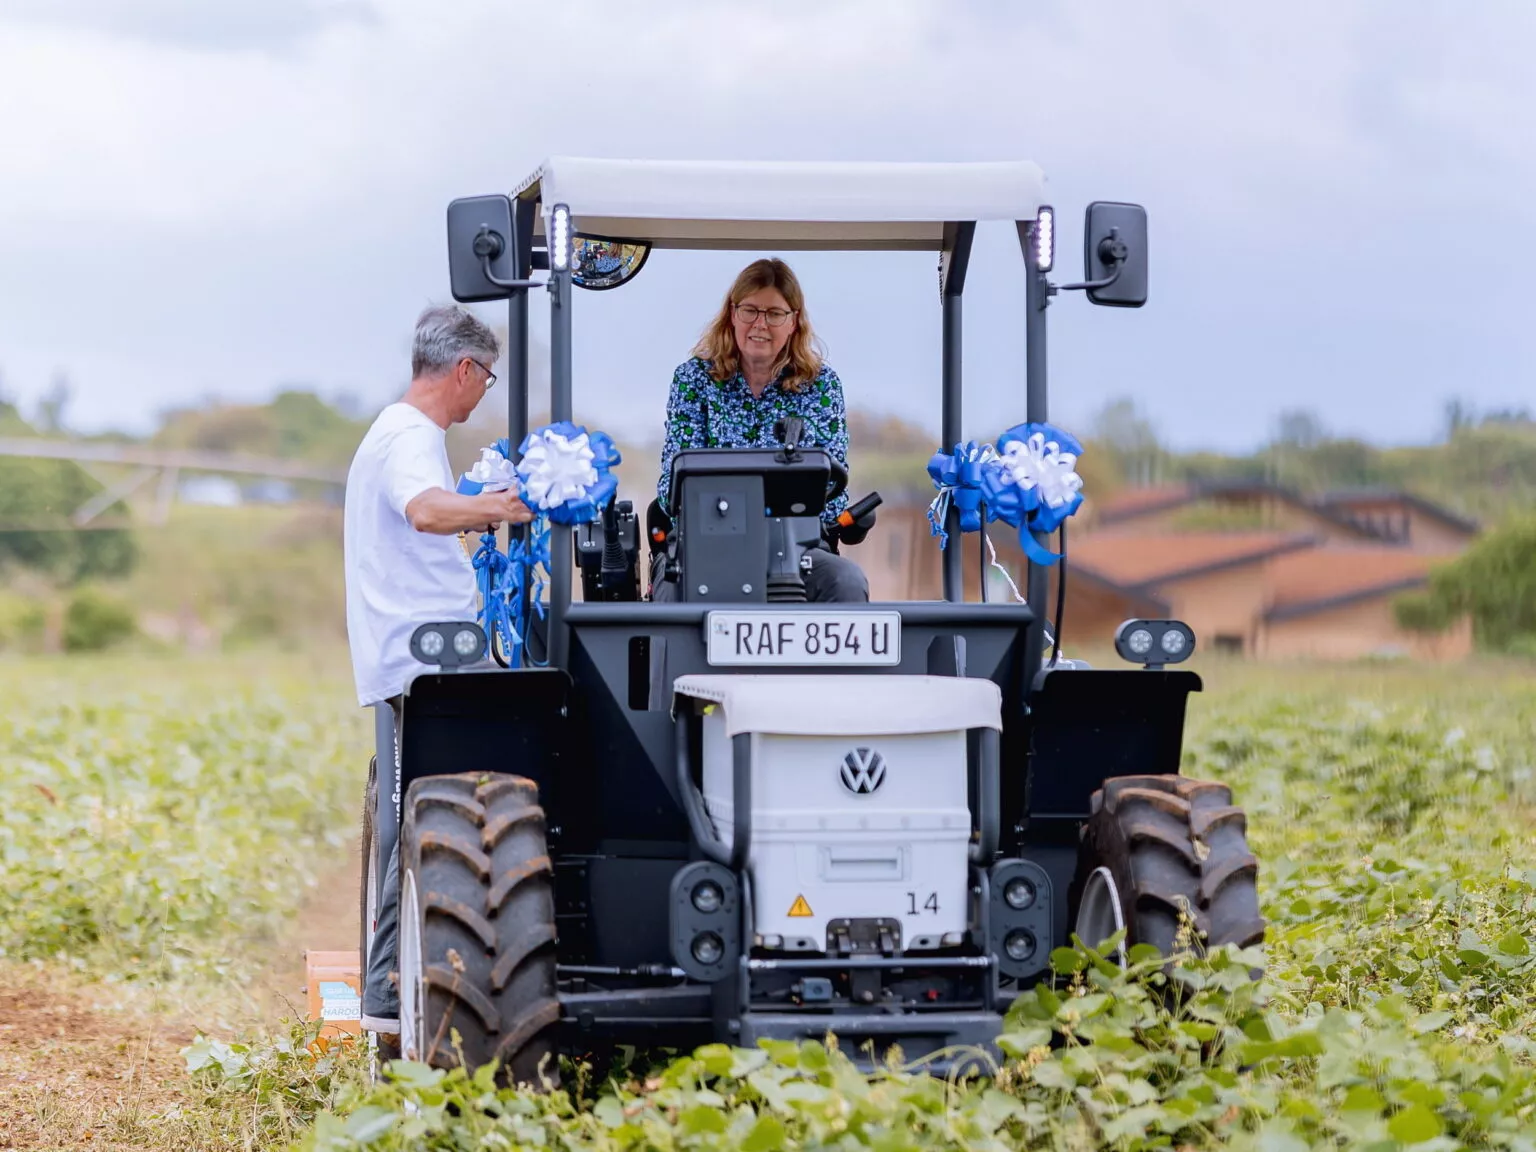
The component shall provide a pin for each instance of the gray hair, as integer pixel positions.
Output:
(445, 335)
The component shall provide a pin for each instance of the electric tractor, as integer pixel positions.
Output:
(732, 814)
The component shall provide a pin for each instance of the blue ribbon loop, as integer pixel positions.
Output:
(503, 577)
(958, 476)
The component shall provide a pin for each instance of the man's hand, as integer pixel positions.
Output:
(445, 513)
(505, 507)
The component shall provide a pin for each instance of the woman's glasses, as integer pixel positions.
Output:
(774, 316)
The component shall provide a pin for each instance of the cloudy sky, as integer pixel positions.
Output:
(202, 199)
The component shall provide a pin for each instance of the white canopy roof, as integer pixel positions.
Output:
(783, 205)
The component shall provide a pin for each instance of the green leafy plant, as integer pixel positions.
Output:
(96, 620)
(161, 818)
(1391, 810)
(267, 1092)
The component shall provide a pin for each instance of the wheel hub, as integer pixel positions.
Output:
(412, 1003)
(1100, 914)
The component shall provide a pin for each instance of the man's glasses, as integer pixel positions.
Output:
(490, 377)
(774, 316)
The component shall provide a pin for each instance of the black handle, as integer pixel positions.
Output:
(856, 512)
(788, 430)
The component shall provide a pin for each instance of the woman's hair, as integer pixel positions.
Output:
(802, 353)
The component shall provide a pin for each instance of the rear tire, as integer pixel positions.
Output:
(477, 923)
(1157, 848)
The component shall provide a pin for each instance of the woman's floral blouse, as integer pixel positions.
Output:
(704, 413)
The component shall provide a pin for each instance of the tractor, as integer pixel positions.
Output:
(737, 815)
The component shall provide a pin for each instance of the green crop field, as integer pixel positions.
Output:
(163, 817)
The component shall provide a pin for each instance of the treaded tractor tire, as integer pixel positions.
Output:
(1170, 844)
(473, 847)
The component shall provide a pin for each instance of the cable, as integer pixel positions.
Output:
(1061, 595)
(981, 561)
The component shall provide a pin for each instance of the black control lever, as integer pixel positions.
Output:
(788, 430)
(855, 521)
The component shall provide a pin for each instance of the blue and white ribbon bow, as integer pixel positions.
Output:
(1033, 483)
(563, 476)
(565, 472)
(958, 476)
(1028, 481)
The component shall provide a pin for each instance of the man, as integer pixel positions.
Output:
(404, 562)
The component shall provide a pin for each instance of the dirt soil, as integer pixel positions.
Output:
(74, 1074)
(79, 1071)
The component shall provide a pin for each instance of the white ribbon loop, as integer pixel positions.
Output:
(1041, 464)
(557, 468)
(493, 472)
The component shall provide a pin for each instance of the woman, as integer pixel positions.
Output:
(758, 362)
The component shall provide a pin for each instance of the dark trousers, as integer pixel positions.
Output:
(832, 579)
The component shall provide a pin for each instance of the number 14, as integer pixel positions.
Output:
(929, 905)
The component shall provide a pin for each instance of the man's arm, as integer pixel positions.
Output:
(413, 480)
(443, 513)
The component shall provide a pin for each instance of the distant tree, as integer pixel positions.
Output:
(1299, 428)
(1458, 415)
(1507, 416)
(36, 499)
(1120, 429)
(1297, 432)
(1494, 581)
(50, 408)
(295, 424)
(1347, 463)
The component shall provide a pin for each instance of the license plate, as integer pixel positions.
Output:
(805, 638)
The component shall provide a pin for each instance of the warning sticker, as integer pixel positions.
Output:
(800, 907)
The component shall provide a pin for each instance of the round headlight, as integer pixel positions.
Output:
(1173, 641)
(1020, 945)
(1019, 893)
(708, 948)
(432, 644)
(1139, 641)
(707, 896)
(466, 641)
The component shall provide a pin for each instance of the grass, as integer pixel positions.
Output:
(166, 819)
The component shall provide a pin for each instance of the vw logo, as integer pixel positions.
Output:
(862, 771)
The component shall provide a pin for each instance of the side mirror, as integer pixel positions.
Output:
(1115, 254)
(480, 248)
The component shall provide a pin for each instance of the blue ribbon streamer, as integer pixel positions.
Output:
(503, 578)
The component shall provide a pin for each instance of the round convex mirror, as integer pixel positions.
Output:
(598, 262)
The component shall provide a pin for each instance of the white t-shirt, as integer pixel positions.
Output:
(397, 577)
